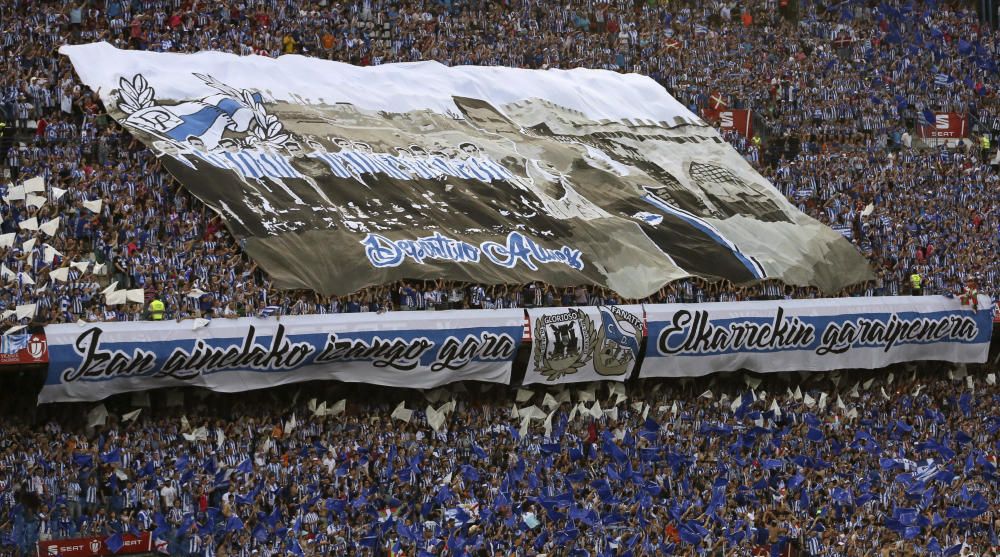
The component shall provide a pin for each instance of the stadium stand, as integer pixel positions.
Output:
(899, 461)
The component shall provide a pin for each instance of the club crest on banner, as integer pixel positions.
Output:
(617, 341)
(203, 121)
(564, 343)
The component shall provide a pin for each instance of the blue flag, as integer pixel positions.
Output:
(927, 117)
(115, 543)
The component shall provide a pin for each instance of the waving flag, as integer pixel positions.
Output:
(397, 135)
(12, 344)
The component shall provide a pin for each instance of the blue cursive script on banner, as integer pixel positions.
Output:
(385, 252)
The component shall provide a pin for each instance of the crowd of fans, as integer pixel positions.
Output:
(894, 462)
(837, 89)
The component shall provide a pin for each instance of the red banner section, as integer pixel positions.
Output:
(947, 125)
(36, 352)
(736, 119)
(90, 547)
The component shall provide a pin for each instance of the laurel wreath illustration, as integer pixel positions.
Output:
(266, 129)
(589, 338)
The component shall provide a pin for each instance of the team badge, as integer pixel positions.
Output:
(617, 341)
(564, 343)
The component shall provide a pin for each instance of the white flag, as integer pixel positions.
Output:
(707, 394)
(32, 200)
(574, 411)
(101, 269)
(550, 402)
(338, 408)
(131, 415)
(7, 240)
(49, 253)
(6, 273)
(797, 395)
(80, 265)
(29, 224)
(137, 295)
(595, 410)
(94, 205)
(548, 424)
(434, 418)
(111, 288)
(57, 193)
(525, 423)
(586, 395)
(61, 274)
(775, 408)
(50, 227)
(523, 395)
(25, 310)
(401, 413)
(991, 379)
(15, 193)
(34, 184)
(532, 412)
(97, 416)
(115, 298)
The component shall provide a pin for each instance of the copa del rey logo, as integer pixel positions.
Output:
(95, 546)
(36, 347)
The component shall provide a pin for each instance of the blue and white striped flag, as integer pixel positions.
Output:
(12, 344)
(943, 79)
(926, 473)
(268, 311)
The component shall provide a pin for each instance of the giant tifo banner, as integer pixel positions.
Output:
(947, 125)
(813, 335)
(22, 349)
(587, 343)
(336, 177)
(402, 349)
